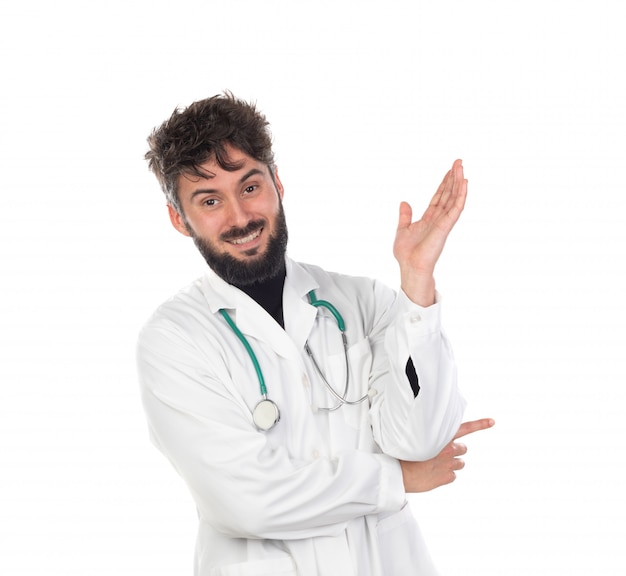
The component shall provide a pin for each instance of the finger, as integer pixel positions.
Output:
(452, 450)
(441, 190)
(457, 168)
(458, 464)
(455, 199)
(449, 200)
(474, 426)
(450, 190)
(458, 449)
(406, 214)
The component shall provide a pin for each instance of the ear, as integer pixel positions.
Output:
(279, 184)
(177, 220)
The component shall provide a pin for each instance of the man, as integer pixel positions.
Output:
(299, 406)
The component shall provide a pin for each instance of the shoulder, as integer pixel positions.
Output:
(366, 295)
(346, 283)
(179, 315)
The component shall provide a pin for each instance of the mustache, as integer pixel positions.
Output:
(236, 233)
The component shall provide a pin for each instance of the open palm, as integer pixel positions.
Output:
(419, 244)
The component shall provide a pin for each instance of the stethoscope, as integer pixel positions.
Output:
(266, 413)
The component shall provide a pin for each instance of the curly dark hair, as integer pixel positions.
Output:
(198, 133)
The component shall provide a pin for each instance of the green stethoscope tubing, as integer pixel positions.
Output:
(326, 304)
(249, 350)
(264, 420)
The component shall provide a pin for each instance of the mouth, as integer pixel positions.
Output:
(246, 239)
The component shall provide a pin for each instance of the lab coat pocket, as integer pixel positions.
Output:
(281, 565)
(402, 546)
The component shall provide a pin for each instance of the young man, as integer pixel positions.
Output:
(299, 406)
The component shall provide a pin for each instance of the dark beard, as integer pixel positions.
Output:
(241, 273)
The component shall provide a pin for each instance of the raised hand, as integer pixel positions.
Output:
(441, 470)
(419, 244)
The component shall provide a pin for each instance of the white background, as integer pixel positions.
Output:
(370, 102)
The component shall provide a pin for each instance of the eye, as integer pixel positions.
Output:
(210, 202)
(250, 189)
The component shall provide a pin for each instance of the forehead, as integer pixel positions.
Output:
(211, 174)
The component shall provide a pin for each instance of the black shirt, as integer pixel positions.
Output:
(269, 294)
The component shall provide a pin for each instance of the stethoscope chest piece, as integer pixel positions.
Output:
(265, 415)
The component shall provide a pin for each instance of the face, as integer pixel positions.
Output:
(235, 218)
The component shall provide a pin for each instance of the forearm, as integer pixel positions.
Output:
(246, 483)
(246, 489)
(413, 427)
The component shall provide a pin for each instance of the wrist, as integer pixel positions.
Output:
(420, 289)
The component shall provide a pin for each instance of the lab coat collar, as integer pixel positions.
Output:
(298, 312)
(255, 322)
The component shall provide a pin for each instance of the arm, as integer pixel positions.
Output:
(243, 485)
(406, 425)
(441, 470)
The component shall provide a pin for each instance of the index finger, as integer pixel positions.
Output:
(474, 426)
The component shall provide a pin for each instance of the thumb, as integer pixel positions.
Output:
(406, 214)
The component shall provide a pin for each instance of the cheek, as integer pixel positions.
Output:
(274, 208)
(204, 228)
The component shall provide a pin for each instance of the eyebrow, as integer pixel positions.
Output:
(248, 174)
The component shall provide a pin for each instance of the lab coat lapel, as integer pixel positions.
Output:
(255, 322)
(299, 314)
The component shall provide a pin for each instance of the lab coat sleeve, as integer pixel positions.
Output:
(406, 426)
(243, 487)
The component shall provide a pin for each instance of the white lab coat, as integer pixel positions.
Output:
(321, 493)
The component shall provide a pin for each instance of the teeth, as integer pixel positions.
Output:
(247, 238)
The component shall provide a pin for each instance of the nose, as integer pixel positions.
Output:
(238, 215)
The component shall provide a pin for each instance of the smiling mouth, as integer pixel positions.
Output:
(249, 238)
